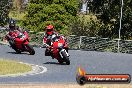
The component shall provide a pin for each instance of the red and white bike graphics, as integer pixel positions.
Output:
(59, 49)
(20, 42)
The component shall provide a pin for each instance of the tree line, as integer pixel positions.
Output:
(101, 18)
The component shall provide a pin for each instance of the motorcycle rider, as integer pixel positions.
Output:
(48, 35)
(13, 29)
(47, 39)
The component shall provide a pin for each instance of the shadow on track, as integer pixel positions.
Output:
(56, 63)
(18, 53)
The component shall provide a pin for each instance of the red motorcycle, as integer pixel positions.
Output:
(20, 42)
(59, 49)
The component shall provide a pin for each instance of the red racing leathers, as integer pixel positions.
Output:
(47, 40)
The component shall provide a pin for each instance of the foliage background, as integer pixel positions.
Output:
(101, 18)
(59, 13)
(5, 5)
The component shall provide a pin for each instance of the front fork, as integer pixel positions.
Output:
(63, 50)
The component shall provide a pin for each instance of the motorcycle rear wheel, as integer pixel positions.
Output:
(30, 49)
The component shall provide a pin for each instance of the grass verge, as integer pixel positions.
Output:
(13, 67)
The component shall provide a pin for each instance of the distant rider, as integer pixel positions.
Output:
(13, 32)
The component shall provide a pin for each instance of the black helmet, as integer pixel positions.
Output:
(12, 24)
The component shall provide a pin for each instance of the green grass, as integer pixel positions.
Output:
(13, 67)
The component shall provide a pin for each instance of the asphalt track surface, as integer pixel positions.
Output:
(91, 61)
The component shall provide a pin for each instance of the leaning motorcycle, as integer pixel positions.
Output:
(59, 50)
(20, 42)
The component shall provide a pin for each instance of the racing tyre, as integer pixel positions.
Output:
(60, 61)
(30, 49)
(17, 51)
(65, 57)
(47, 52)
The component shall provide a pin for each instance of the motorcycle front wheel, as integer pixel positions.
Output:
(12, 44)
(65, 57)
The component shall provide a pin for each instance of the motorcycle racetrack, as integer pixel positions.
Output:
(93, 62)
